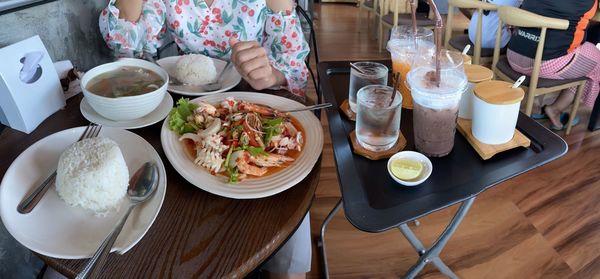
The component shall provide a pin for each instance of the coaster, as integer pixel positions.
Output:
(372, 155)
(345, 107)
(486, 151)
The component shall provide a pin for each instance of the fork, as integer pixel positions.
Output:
(27, 204)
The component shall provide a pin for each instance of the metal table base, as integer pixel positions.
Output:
(431, 255)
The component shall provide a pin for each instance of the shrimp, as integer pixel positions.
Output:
(262, 110)
(243, 165)
(207, 108)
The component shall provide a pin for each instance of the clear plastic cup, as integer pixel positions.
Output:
(436, 107)
(406, 49)
(378, 117)
(373, 73)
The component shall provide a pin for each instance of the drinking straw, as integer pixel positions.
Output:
(413, 10)
(439, 25)
(357, 68)
(395, 83)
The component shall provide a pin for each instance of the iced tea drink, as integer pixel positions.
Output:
(406, 48)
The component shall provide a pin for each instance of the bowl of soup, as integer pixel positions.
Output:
(126, 89)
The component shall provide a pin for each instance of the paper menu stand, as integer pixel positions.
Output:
(30, 89)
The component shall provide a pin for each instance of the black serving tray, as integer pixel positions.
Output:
(374, 202)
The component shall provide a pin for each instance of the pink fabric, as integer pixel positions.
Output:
(583, 62)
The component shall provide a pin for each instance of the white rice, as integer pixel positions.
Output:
(92, 173)
(195, 69)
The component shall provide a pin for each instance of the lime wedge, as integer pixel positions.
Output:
(406, 169)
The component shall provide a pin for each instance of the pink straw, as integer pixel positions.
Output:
(439, 25)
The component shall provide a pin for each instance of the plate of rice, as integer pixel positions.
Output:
(197, 70)
(73, 217)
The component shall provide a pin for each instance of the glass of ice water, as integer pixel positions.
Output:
(378, 117)
(372, 73)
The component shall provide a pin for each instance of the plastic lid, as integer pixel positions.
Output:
(477, 73)
(425, 93)
(498, 92)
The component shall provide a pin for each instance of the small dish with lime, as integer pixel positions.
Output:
(409, 168)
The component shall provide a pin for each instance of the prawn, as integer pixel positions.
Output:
(262, 110)
(243, 165)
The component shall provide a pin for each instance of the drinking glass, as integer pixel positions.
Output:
(407, 48)
(378, 117)
(436, 106)
(372, 73)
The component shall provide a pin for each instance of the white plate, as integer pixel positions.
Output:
(230, 80)
(58, 230)
(155, 116)
(255, 187)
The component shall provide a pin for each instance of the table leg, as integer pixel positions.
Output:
(321, 242)
(433, 254)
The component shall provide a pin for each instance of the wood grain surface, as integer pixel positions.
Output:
(543, 224)
(196, 234)
(486, 151)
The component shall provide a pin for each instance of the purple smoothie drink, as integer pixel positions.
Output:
(436, 107)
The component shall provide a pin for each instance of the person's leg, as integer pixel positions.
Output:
(294, 258)
(560, 104)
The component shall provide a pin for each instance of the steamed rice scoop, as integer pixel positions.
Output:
(195, 69)
(92, 173)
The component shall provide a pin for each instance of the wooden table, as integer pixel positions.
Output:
(196, 234)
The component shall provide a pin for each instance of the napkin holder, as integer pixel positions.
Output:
(30, 89)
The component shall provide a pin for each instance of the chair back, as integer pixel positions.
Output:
(399, 6)
(314, 49)
(521, 18)
(395, 7)
(480, 6)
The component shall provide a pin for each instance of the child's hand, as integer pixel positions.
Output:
(251, 61)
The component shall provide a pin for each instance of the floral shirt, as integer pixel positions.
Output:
(197, 28)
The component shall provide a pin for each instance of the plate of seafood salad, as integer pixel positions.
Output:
(240, 144)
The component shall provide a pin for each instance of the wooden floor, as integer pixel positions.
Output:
(543, 224)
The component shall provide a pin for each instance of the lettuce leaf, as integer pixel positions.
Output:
(178, 117)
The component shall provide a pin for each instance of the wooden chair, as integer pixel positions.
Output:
(397, 12)
(480, 55)
(370, 6)
(592, 125)
(534, 85)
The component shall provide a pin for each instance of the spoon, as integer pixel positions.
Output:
(466, 50)
(518, 82)
(313, 107)
(141, 187)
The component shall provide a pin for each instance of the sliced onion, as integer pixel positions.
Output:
(247, 123)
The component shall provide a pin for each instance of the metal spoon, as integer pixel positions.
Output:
(313, 107)
(141, 187)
